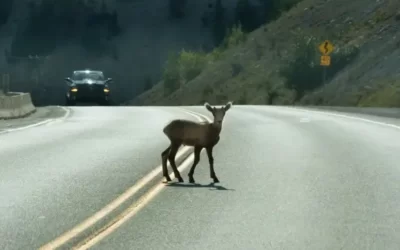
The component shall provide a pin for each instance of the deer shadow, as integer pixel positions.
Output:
(211, 186)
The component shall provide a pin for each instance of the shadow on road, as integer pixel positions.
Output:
(212, 186)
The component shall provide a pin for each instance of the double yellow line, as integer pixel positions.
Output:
(117, 221)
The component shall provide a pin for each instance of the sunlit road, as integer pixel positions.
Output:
(54, 176)
(290, 179)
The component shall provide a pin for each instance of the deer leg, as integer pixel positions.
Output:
(164, 158)
(197, 151)
(171, 158)
(211, 161)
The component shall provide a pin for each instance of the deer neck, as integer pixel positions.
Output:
(216, 128)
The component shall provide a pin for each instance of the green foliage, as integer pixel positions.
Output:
(171, 74)
(304, 72)
(221, 98)
(219, 25)
(191, 64)
(182, 68)
(234, 37)
(186, 65)
(215, 54)
(386, 94)
(208, 90)
(243, 98)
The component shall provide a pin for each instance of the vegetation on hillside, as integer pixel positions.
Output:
(185, 66)
(303, 73)
(279, 63)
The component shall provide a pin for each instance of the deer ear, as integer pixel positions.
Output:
(228, 106)
(208, 107)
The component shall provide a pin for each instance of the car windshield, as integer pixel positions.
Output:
(77, 76)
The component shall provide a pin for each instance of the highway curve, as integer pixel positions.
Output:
(290, 179)
(54, 176)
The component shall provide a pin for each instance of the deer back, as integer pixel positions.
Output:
(188, 132)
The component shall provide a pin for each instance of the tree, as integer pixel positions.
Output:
(247, 15)
(219, 24)
(5, 10)
(177, 8)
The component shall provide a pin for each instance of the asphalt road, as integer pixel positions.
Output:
(289, 180)
(56, 175)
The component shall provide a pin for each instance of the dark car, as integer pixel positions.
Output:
(88, 86)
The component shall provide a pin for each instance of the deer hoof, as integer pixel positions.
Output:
(180, 179)
(215, 179)
(191, 180)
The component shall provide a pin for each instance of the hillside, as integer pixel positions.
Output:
(279, 62)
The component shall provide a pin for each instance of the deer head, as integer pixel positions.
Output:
(218, 113)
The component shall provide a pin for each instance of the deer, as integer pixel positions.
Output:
(195, 134)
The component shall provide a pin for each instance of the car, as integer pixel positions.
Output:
(88, 86)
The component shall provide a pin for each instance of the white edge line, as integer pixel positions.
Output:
(62, 239)
(67, 113)
(347, 117)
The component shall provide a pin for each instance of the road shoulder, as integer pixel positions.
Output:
(41, 115)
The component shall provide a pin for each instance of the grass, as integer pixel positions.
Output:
(386, 94)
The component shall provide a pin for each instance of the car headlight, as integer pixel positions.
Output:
(74, 90)
(106, 90)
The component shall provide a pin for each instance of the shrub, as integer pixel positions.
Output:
(243, 98)
(234, 37)
(186, 65)
(208, 90)
(304, 73)
(171, 76)
(183, 67)
(215, 54)
(191, 64)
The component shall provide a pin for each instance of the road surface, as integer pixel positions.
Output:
(54, 176)
(290, 179)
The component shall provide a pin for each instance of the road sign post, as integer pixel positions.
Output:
(325, 48)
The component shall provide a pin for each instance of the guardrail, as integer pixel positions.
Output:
(16, 105)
